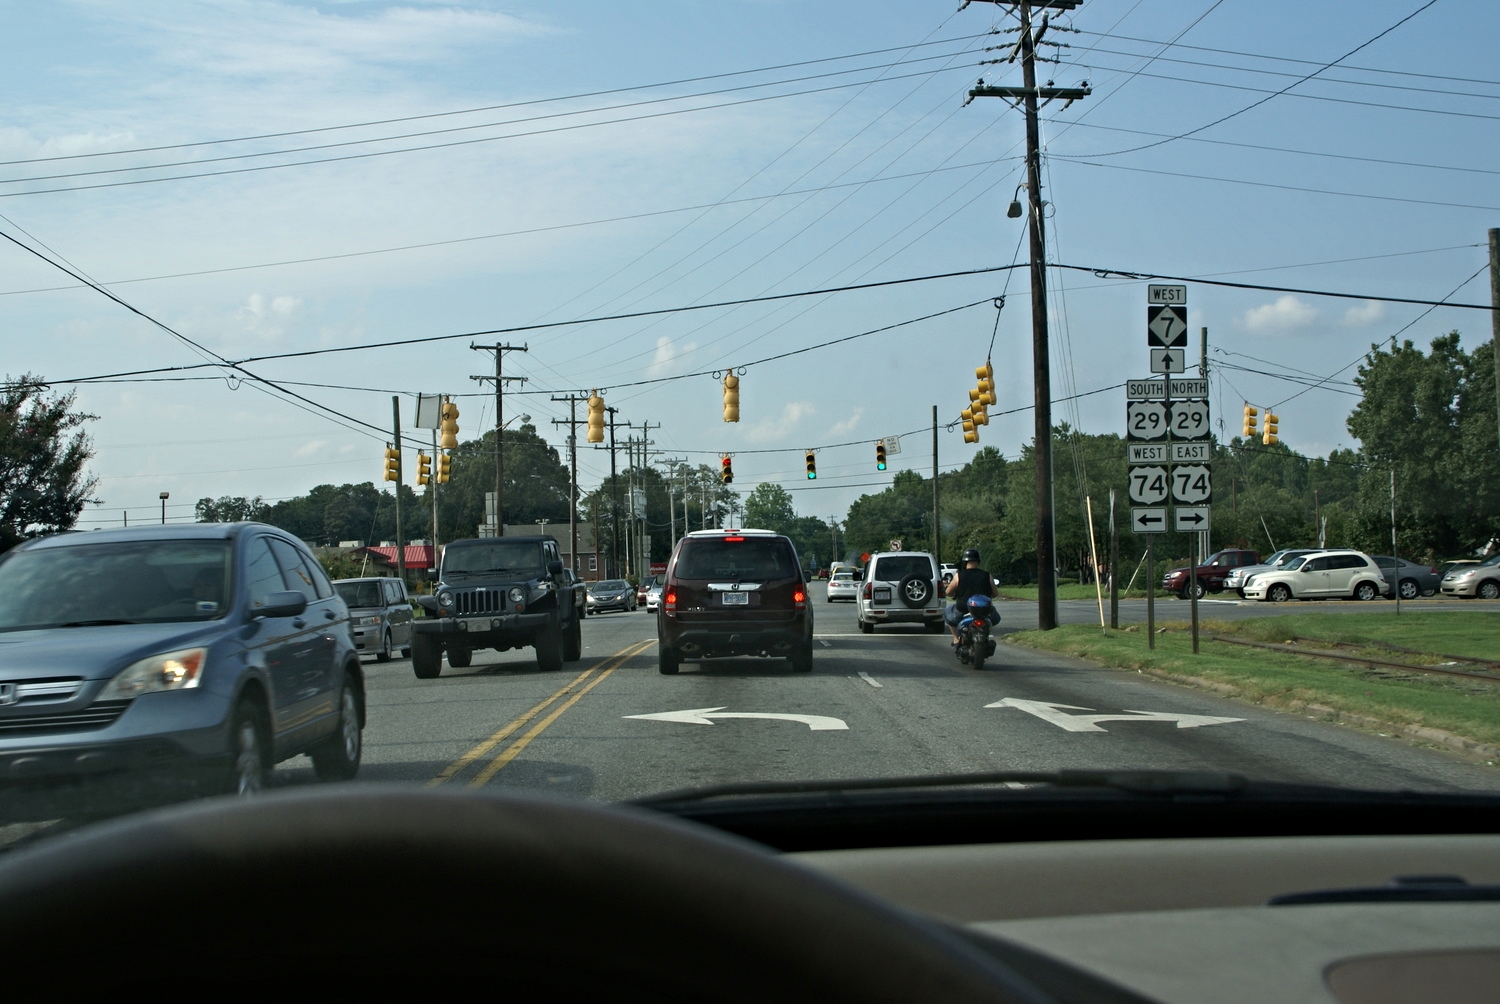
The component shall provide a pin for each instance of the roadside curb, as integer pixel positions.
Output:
(1440, 737)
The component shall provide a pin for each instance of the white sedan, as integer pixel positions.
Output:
(843, 586)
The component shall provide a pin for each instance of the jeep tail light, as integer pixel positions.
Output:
(799, 598)
(869, 590)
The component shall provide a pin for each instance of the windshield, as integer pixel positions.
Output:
(126, 583)
(752, 318)
(360, 594)
(518, 556)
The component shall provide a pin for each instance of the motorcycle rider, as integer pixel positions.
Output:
(971, 580)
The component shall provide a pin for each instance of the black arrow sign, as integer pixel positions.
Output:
(1194, 518)
(1144, 520)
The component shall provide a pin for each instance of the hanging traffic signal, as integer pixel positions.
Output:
(731, 398)
(443, 461)
(986, 375)
(726, 472)
(448, 427)
(812, 466)
(880, 456)
(424, 469)
(1248, 431)
(1269, 437)
(596, 418)
(392, 465)
(971, 430)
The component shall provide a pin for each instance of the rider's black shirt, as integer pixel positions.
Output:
(973, 582)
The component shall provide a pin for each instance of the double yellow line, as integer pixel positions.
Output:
(603, 669)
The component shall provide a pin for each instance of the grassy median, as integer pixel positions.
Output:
(1071, 591)
(1367, 696)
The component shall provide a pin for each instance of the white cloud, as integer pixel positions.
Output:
(847, 425)
(310, 448)
(774, 428)
(1367, 313)
(667, 353)
(1287, 312)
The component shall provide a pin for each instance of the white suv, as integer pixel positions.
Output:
(1321, 575)
(900, 587)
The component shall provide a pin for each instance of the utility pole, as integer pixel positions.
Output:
(1495, 314)
(572, 423)
(614, 497)
(500, 381)
(396, 440)
(672, 464)
(937, 533)
(1025, 47)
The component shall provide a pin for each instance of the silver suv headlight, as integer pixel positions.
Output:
(180, 670)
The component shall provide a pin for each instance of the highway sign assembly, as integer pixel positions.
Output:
(1153, 520)
(1190, 518)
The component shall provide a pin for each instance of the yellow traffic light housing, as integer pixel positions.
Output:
(726, 472)
(812, 466)
(596, 418)
(1269, 436)
(731, 398)
(392, 465)
(1248, 430)
(448, 426)
(424, 469)
(443, 462)
(880, 456)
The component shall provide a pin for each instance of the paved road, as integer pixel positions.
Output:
(908, 708)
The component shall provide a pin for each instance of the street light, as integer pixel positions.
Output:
(164, 496)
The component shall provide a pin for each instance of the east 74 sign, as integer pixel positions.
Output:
(1191, 484)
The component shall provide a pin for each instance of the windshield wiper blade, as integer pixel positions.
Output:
(96, 623)
(1136, 782)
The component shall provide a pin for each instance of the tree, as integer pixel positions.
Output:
(536, 484)
(230, 509)
(769, 507)
(43, 450)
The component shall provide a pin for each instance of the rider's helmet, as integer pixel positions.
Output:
(971, 554)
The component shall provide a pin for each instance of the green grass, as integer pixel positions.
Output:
(1069, 591)
(1466, 708)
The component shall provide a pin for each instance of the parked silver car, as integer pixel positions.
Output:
(1415, 580)
(1481, 581)
(380, 612)
(1238, 579)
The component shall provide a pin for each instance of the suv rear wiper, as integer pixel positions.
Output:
(1136, 782)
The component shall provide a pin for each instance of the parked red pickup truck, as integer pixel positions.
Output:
(1211, 574)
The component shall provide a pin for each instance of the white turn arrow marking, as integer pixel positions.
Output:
(705, 716)
(1055, 714)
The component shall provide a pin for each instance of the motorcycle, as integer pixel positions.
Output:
(974, 642)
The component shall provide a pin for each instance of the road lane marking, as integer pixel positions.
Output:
(824, 643)
(870, 679)
(448, 772)
(705, 716)
(1050, 712)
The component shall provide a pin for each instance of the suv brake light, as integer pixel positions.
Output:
(869, 590)
(669, 600)
(799, 597)
(734, 540)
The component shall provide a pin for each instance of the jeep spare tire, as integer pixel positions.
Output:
(915, 591)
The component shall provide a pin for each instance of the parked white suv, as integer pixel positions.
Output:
(1321, 575)
(900, 587)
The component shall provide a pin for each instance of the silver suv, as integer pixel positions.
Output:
(380, 610)
(900, 587)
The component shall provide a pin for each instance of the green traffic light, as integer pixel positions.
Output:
(880, 465)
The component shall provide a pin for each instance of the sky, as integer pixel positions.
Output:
(265, 177)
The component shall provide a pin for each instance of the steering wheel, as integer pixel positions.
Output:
(371, 892)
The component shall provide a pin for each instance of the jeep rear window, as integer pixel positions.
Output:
(748, 558)
(493, 556)
(897, 568)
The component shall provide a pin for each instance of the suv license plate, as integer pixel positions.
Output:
(736, 599)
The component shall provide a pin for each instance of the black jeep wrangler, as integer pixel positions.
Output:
(499, 593)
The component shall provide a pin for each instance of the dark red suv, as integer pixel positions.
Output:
(734, 592)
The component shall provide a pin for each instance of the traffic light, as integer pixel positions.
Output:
(443, 461)
(1249, 428)
(971, 429)
(731, 398)
(986, 386)
(726, 473)
(392, 465)
(880, 456)
(812, 466)
(596, 418)
(1269, 437)
(424, 469)
(448, 427)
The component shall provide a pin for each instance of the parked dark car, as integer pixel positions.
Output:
(734, 593)
(1414, 579)
(210, 651)
(1211, 574)
(380, 611)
